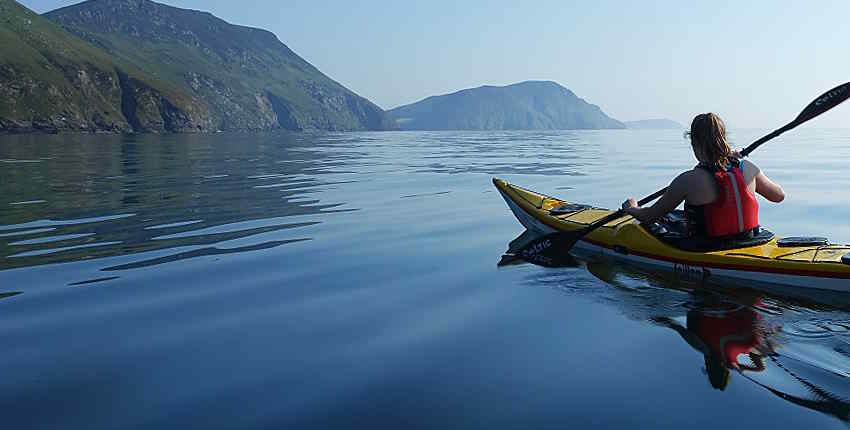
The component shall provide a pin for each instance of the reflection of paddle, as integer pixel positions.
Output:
(5, 295)
(825, 401)
(554, 248)
(514, 257)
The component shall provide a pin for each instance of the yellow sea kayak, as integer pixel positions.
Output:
(818, 266)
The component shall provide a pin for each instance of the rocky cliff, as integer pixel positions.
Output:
(51, 81)
(245, 78)
(139, 66)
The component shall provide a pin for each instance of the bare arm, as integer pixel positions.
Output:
(769, 189)
(674, 196)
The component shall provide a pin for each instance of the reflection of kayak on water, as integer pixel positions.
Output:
(797, 349)
(806, 385)
(600, 264)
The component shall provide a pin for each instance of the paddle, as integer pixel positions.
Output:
(514, 255)
(554, 247)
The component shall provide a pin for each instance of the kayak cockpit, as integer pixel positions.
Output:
(672, 230)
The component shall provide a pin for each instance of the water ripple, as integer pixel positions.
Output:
(49, 251)
(57, 223)
(106, 200)
(49, 239)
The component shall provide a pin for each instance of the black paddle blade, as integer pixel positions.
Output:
(515, 260)
(825, 102)
(510, 260)
(551, 250)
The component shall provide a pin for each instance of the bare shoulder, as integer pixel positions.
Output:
(694, 175)
(749, 165)
(686, 179)
(697, 186)
(750, 170)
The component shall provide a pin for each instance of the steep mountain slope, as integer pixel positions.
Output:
(245, 77)
(52, 81)
(530, 105)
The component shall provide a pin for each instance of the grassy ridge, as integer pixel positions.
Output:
(136, 65)
(54, 81)
(37, 53)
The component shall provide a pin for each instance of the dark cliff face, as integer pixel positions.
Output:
(51, 81)
(532, 105)
(245, 78)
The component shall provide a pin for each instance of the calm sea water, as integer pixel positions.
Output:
(350, 280)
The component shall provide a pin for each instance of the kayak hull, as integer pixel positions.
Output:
(626, 241)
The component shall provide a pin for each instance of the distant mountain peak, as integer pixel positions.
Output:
(135, 5)
(527, 105)
(527, 84)
(152, 20)
(537, 82)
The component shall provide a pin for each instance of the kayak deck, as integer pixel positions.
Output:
(625, 239)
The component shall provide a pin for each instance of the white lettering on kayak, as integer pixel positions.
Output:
(533, 255)
(538, 248)
(690, 273)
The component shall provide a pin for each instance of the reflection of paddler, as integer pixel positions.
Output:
(723, 333)
(728, 334)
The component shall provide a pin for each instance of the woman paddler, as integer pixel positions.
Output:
(719, 193)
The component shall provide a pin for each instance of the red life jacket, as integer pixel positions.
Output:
(735, 210)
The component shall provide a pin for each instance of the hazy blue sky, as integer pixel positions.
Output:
(755, 63)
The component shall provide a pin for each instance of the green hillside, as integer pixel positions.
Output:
(245, 77)
(531, 105)
(52, 81)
